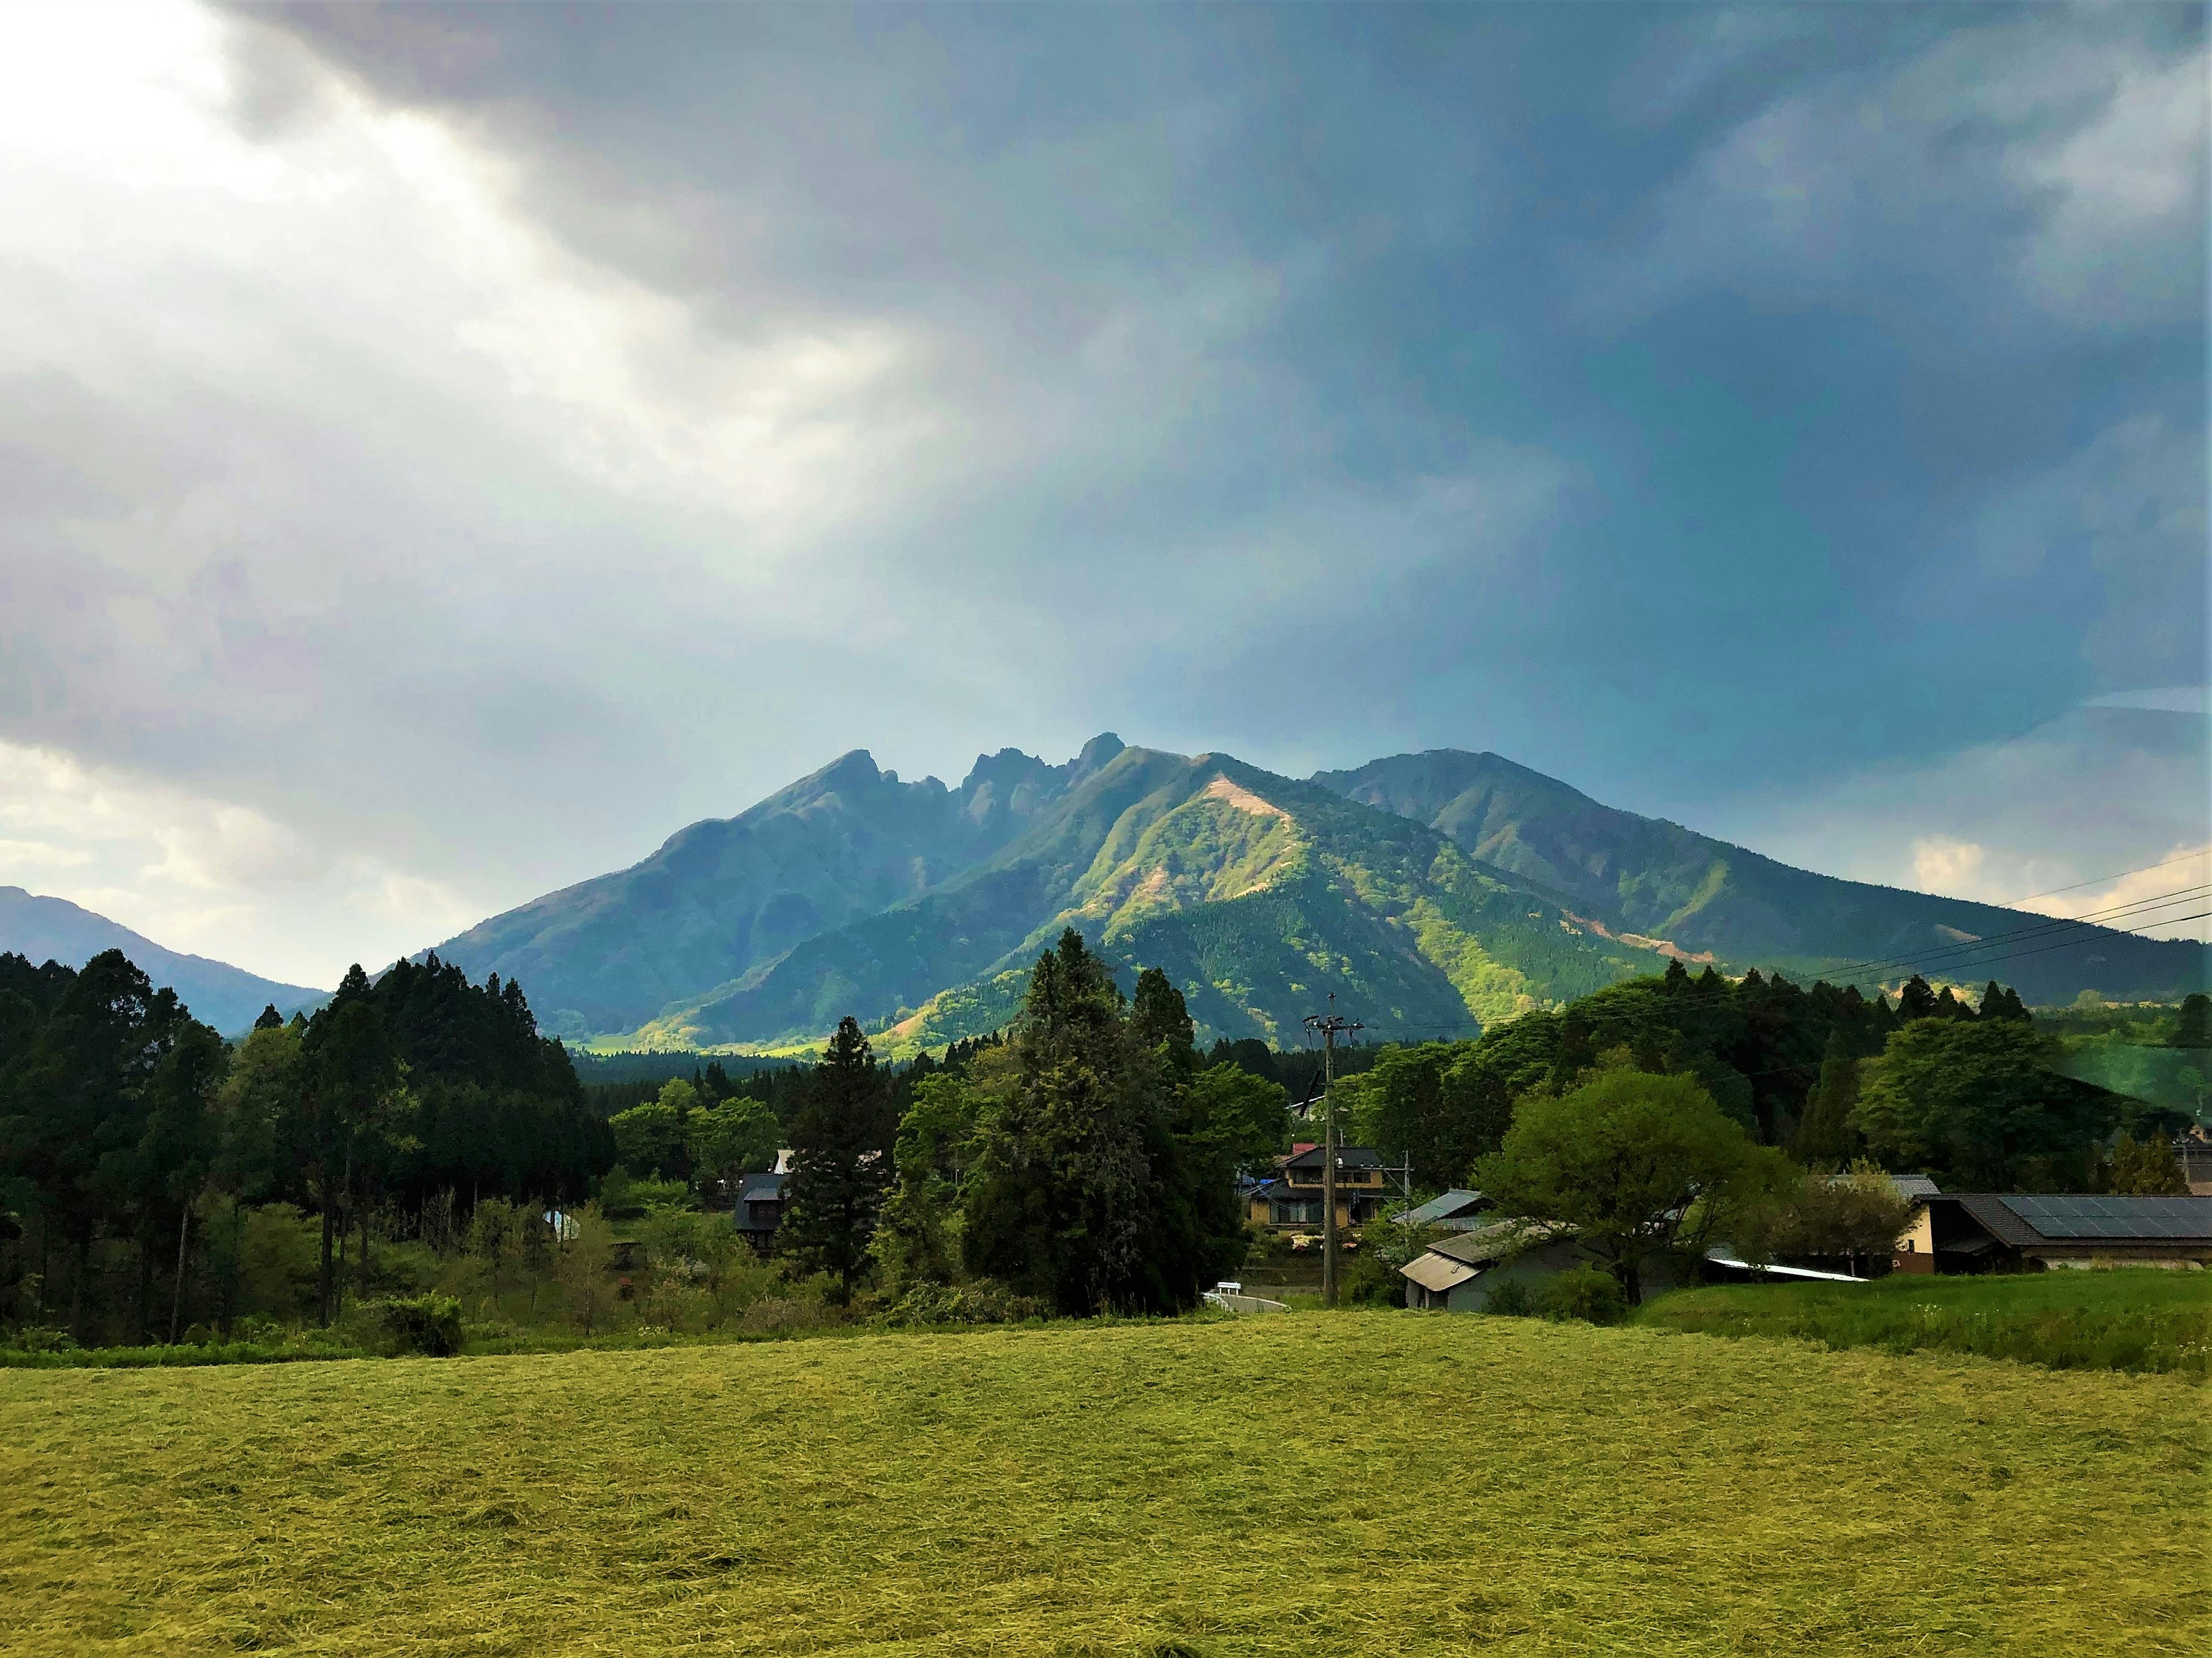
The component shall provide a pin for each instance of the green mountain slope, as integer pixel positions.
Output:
(1260, 895)
(1647, 878)
(722, 897)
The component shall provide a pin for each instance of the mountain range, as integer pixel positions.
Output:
(226, 997)
(1430, 893)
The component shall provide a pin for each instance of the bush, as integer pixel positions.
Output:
(1511, 1299)
(37, 1338)
(985, 1301)
(1588, 1293)
(429, 1324)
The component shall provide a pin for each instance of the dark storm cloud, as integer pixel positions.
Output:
(560, 422)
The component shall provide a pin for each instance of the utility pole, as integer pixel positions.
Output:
(1330, 1027)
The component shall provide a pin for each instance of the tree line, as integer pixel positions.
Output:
(122, 1118)
(1968, 1094)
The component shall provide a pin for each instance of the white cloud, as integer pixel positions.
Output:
(204, 876)
(2047, 822)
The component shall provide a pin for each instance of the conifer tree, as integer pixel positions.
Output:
(1825, 1136)
(1916, 1001)
(840, 1165)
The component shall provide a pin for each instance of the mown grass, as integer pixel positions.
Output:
(1367, 1483)
(2141, 1319)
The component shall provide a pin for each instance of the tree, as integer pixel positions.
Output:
(2194, 1028)
(1439, 1106)
(731, 1138)
(919, 1238)
(1826, 1136)
(652, 1138)
(584, 1266)
(2147, 1167)
(1090, 1186)
(1916, 1001)
(349, 1096)
(1634, 1165)
(1162, 1025)
(841, 1160)
(1976, 1100)
(1245, 1118)
(78, 1091)
(1851, 1216)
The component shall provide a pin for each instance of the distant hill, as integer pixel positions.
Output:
(228, 998)
(1432, 892)
(1649, 877)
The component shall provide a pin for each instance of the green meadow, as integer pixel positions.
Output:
(1302, 1485)
(2135, 1319)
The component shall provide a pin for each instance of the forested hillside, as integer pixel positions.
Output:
(1649, 877)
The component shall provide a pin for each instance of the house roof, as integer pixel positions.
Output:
(761, 1188)
(1347, 1156)
(1452, 1205)
(1437, 1274)
(1496, 1241)
(2022, 1220)
(1915, 1186)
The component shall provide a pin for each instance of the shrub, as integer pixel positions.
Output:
(774, 1316)
(1588, 1293)
(37, 1339)
(429, 1324)
(1511, 1299)
(984, 1301)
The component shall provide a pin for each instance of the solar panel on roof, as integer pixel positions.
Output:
(2076, 1216)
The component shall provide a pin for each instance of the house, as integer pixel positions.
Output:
(1454, 1211)
(2193, 1152)
(2027, 1232)
(759, 1207)
(1459, 1274)
(1291, 1201)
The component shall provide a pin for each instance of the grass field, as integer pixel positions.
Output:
(1367, 1483)
(2141, 1319)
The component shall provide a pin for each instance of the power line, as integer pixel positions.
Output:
(2094, 919)
(2094, 880)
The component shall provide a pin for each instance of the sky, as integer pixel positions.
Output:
(444, 452)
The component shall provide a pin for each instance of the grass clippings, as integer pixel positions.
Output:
(1383, 1482)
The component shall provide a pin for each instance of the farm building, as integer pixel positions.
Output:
(2015, 1232)
(1459, 1274)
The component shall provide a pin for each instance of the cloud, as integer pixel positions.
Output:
(2053, 821)
(205, 876)
(2007, 164)
(463, 445)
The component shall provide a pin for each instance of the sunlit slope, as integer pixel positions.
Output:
(1655, 879)
(1457, 1486)
(1260, 895)
(723, 897)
